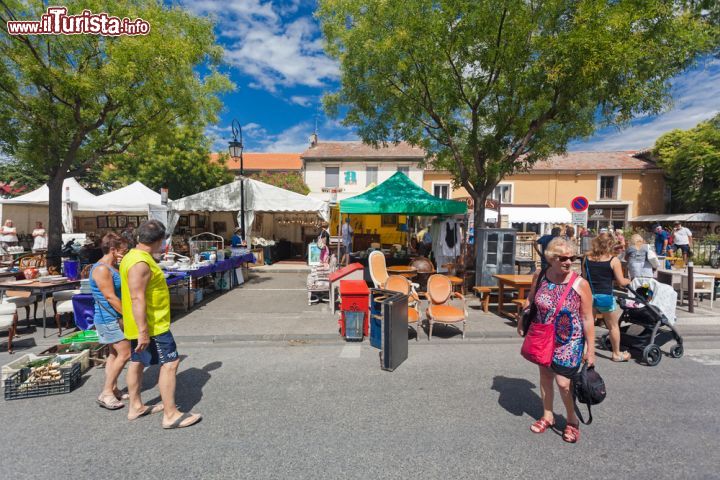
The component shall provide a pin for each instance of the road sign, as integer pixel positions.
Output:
(579, 204)
(580, 218)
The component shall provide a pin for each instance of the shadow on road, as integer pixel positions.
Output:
(190, 384)
(517, 396)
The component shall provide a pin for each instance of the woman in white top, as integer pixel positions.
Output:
(9, 234)
(641, 260)
(39, 237)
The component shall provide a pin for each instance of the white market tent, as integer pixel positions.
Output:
(31, 207)
(544, 215)
(679, 217)
(135, 197)
(259, 197)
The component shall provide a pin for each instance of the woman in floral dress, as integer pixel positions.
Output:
(574, 323)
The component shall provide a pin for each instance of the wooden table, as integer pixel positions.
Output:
(520, 282)
(402, 270)
(42, 288)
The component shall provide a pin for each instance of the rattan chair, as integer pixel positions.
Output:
(378, 269)
(439, 295)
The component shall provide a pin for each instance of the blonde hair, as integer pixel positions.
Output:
(637, 240)
(557, 246)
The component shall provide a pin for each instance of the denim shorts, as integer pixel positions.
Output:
(161, 350)
(109, 332)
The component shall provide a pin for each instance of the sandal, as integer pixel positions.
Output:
(541, 425)
(571, 434)
(148, 410)
(115, 404)
(193, 417)
(624, 357)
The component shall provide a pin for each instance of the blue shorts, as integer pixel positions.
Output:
(161, 350)
(609, 309)
(109, 332)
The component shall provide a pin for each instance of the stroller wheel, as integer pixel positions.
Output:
(652, 355)
(605, 342)
(677, 351)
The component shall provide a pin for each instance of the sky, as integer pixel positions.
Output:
(274, 55)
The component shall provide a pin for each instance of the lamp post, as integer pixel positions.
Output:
(236, 149)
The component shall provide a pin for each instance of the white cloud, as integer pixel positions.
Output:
(260, 44)
(301, 100)
(696, 97)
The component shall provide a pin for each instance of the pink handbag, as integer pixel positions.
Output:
(539, 343)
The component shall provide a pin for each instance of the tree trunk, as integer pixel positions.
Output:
(55, 227)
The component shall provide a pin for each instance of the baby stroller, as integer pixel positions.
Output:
(649, 312)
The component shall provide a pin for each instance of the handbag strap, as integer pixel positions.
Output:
(112, 312)
(569, 287)
(537, 283)
(587, 269)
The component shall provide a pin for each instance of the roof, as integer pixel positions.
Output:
(347, 150)
(624, 160)
(263, 161)
(400, 195)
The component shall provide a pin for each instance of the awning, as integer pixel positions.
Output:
(679, 217)
(135, 197)
(400, 195)
(532, 214)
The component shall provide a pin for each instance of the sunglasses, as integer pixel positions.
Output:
(565, 259)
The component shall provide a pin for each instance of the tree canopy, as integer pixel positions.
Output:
(489, 87)
(69, 102)
(691, 160)
(292, 181)
(179, 161)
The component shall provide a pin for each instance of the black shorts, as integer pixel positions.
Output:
(685, 248)
(161, 350)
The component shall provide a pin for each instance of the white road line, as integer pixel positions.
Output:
(350, 351)
(706, 356)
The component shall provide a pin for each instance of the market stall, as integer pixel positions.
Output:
(270, 212)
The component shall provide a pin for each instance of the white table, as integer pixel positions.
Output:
(682, 284)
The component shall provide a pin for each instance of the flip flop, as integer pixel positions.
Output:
(116, 405)
(178, 423)
(149, 409)
(123, 396)
(624, 357)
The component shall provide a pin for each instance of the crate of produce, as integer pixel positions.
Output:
(85, 336)
(50, 379)
(72, 354)
(22, 362)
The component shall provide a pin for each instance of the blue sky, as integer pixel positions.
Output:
(274, 55)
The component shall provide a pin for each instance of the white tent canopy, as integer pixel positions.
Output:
(42, 195)
(135, 197)
(259, 197)
(679, 217)
(533, 214)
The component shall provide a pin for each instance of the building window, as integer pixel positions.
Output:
(404, 170)
(608, 188)
(371, 175)
(503, 193)
(350, 178)
(442, 190)
(332, 177)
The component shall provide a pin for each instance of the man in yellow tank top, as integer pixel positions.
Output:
(146, 316)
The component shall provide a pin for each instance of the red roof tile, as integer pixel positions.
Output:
(340, 150)
(595, 161)
(264, 161)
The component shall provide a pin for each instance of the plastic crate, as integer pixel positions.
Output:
(15, 389)
(20, 363)
(86, 336)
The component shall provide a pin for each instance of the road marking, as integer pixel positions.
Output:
(350, 351)
(706, 356)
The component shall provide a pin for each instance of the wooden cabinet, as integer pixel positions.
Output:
(362, 241)
(496, 254)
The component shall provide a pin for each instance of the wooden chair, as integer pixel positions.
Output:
(8, 321)
(378, 269)
(439, 294)
(397, 283)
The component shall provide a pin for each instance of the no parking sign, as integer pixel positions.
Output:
(579, 204)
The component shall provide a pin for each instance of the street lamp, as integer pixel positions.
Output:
(236, 149)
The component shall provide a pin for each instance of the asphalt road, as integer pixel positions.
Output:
(326, 410)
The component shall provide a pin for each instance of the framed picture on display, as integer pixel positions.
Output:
(102, 222)
(388, 220)
(202, 221)
(193, 220)
(122, 221)
(313, 254)
(182, 221)
(132, 221)
(87, 224)
(219, 228)
(112, 222)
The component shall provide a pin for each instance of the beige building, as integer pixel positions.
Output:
(619, 186)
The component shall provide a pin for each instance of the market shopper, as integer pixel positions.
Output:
(8, 234)
(641, 260)
(682, 240)
(106, 291)
(146, 313)
(347, 238)
(601, 267)
(543, 242)
(574, 327)
(39, 237)
(661, 241)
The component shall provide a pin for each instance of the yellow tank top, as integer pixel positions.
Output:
(157, 296)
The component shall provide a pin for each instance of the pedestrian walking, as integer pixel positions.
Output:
(106, 291)
(146, 313)
(641, 260)
(564, 298)
(600, 267)
(347, 238)
(682, 240)
(543, 243)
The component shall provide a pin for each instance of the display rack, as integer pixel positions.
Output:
(204, 242)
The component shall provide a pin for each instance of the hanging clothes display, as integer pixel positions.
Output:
(446, 236)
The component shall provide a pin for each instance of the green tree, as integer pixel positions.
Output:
(292, 181)
(489, 87)
(691, 160)
(24, 175)
(71, 102)
(179, 161)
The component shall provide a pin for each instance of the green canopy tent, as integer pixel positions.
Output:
(400, 195)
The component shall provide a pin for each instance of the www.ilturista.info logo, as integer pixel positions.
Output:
(57, 22)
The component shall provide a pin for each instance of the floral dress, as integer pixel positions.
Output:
(569, 335)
